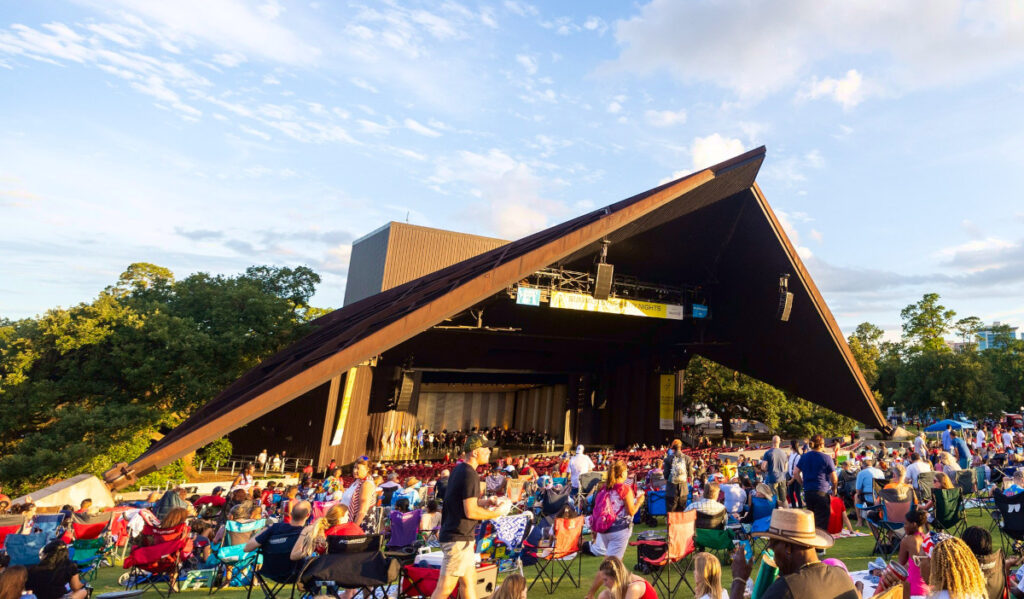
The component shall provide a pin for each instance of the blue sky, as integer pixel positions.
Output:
(215, 135)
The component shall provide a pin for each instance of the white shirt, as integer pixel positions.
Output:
(794, 457)
(979, 440)
(579, 464)
(917, 468)
(920, 447)
(1007, 439)
(725, 595)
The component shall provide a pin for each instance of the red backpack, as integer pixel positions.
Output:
(604, 511)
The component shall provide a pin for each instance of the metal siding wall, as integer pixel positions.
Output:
(366, 267)
(414, 251)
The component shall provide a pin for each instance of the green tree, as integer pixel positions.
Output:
(926, 323)
(1006, 361)
(85, 387)
(961, 380)
(968, 329)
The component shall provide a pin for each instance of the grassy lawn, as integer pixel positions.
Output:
(855, 552)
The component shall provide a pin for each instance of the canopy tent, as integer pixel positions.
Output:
(940, 426)
(712, 229)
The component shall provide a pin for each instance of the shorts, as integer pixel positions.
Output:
(458, 558)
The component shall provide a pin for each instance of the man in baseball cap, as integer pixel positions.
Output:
(461, 511)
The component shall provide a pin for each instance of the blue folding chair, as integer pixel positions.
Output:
(24, 549)
(48, 524)
(232, 554)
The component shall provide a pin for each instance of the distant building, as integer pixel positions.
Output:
(987, 337)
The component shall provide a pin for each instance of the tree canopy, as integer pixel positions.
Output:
(85, 387)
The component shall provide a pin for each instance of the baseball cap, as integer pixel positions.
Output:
(475, 441)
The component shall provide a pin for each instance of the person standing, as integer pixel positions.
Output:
(677, 485)
(579, 464)
(816, 473)
(960, 450)
(261, 459)
(794, 497)
(1007, 440)
(920, 445)
(979, 440)
(947, 437)
(773, 464)
(461, 511)
(364, 493)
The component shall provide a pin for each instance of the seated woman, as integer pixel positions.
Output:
(942, 481)
(994, 564)
(405, 524)
(56, 576)
(313, 538)
(430, 520)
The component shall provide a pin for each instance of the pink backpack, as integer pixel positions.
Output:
(605, 513)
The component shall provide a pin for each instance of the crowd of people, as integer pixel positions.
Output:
(442, 503)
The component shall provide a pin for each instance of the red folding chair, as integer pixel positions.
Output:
(158, 561)
(85, 527)
(11, 525)
(676, 553)
(566, 552)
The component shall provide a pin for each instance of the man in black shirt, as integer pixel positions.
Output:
(462, 509)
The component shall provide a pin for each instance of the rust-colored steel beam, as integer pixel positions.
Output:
(426, 316)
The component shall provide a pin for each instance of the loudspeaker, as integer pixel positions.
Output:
(603, 281)
(785, 307)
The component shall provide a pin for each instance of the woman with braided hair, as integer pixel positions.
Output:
(955, 573)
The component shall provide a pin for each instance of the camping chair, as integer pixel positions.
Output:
(278, 570)
(1011, 520)
(675, 554)
(715, 540)
(158, 564)
(11, 525)
(588, 485)
(48, 524)
(404, 529)
(24, 549)
(760, 516)
(888, 520)
(85, 526)
(514, 491)
(925, 480)
(654, 507)
(967, 482)
(354, 562)
(231, 555)
(565, 553)
(949, 513)
(91, 544)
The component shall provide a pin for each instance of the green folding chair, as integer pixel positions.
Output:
(715, 541)
(948, 512)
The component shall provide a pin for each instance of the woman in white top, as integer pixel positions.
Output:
(244, 480)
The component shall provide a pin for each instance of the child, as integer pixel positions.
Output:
(707, 577)
(431, 519)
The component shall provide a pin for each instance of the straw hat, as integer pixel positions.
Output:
(796, 526)
(765, 490)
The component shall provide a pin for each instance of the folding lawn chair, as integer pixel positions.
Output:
(48, 524)
(232, 564)
(925, 480)
(11, 525)
(156, 566)
(967, 482)
(1011, 520)
(675, 554)
(24, 549)
(760, 517)
(351, 562)
(278, 569)
(715, 540)
(654, 506)
(566, 552)
(888, 520)
(949, 513)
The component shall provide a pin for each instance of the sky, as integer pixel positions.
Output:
(210, 136)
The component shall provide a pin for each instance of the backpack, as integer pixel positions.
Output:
(604, 512)
(678, 473)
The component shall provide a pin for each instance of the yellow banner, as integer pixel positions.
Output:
(666, 400)
(615, 305)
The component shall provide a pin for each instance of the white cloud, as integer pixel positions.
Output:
(521, 9)
(372, 127)
(666, 118)
(713, 149)
(271, 80)
(511, 193)
(363, 84)
(817, 236)
(848, 91)
(595, 24)
(417, 127)
(614, 107)
(528, 63)
(759, 47)
(251, 131)
(229, 59)
(337, 259)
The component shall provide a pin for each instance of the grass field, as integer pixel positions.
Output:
(855, 552)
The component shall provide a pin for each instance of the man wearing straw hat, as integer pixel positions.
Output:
(794, 542)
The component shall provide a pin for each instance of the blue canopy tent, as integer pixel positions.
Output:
(940, 426)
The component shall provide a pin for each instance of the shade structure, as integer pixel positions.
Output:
(712, 230)
(941, 426)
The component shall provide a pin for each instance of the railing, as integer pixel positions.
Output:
(237, 463)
